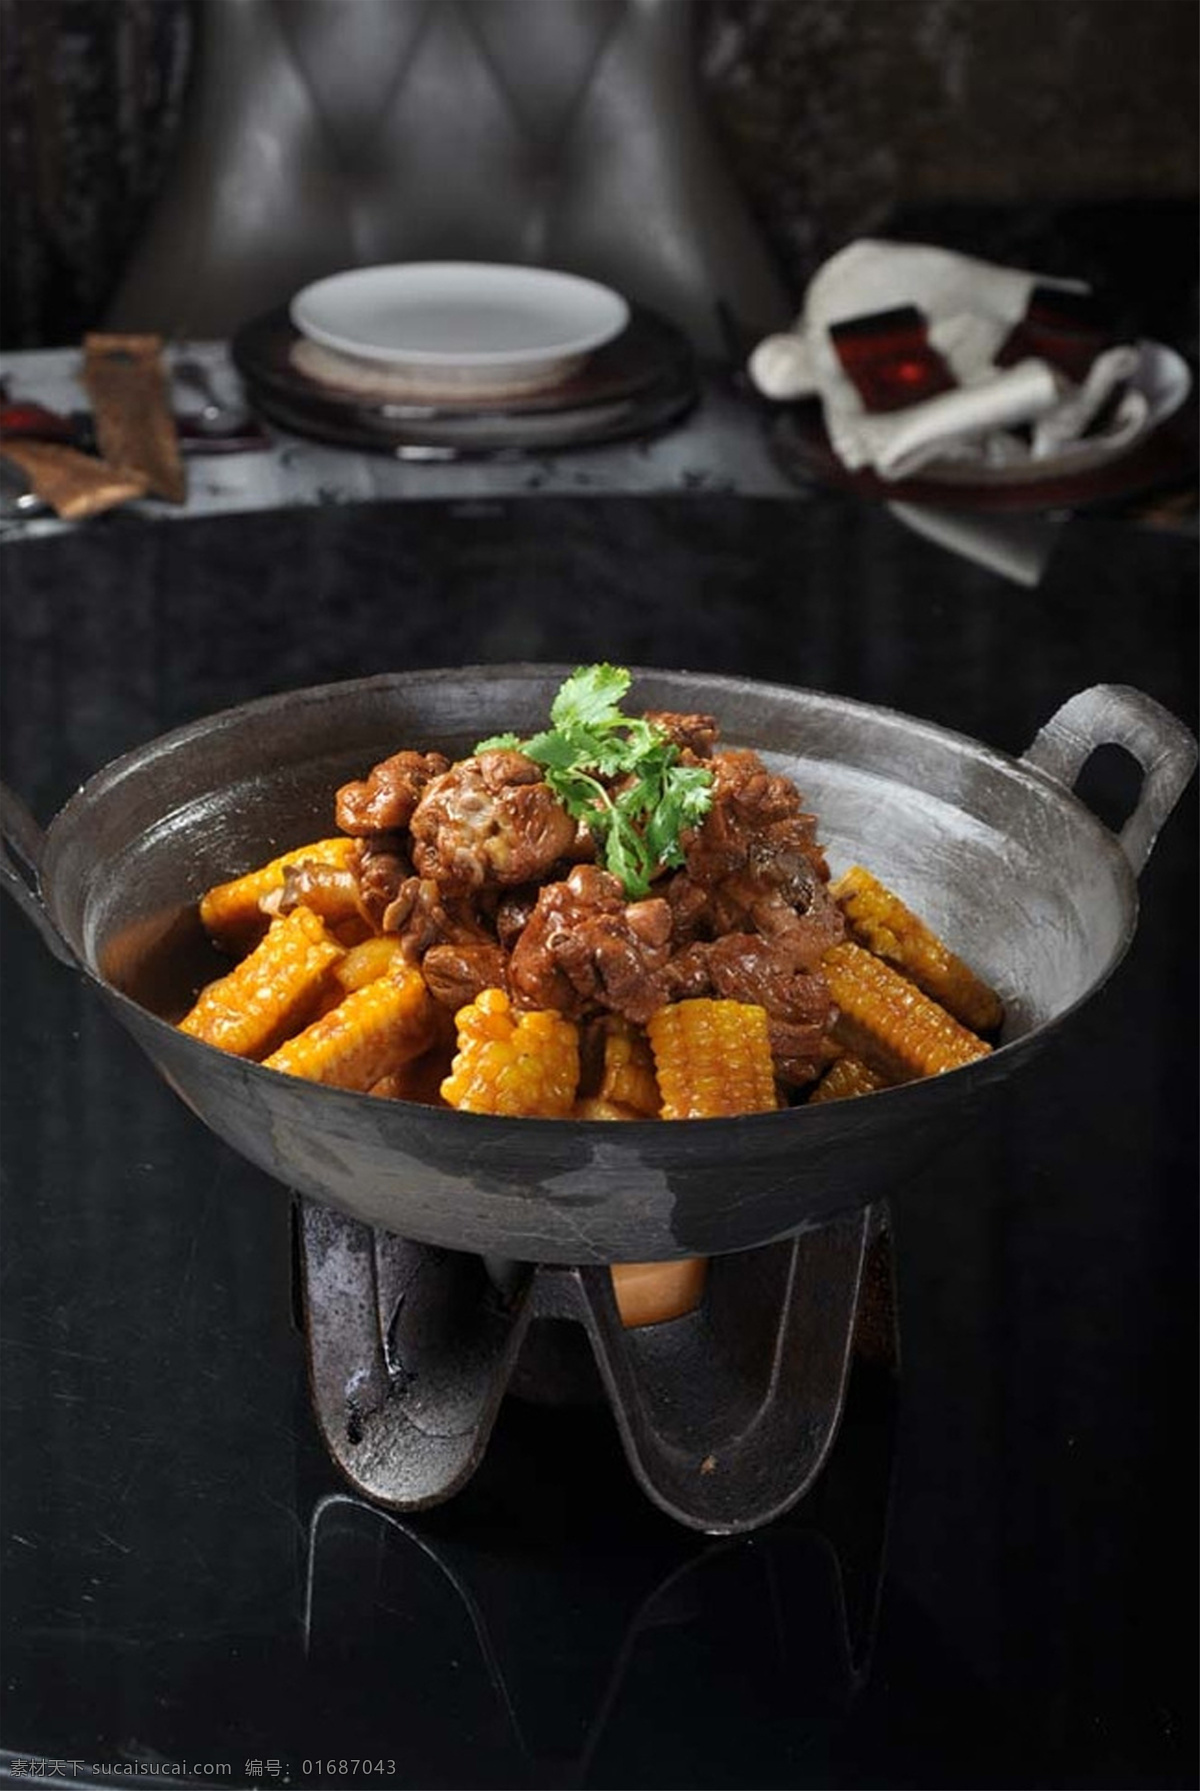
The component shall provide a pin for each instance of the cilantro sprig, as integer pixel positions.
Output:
(619, 773)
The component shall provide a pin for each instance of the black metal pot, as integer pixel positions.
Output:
(996, 853)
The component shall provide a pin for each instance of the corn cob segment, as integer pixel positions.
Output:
(628, 1078)
(269, 994)
(848, 1077)
(230, 912)
(362, 963)
(595, 1107)
(713, 1059)
(879, 920)
(366, 962)
(367, 1036)
(649, 1293)
(524, 1065)
(421, 1078)
(887, 1020)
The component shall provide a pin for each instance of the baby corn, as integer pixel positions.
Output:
(879, 920)
(890, 1022)
(523, 1065)
(847, 1077)
(419, 1080)
(594, 1107)
(230, 912)
(628, 1078)
(270, 993)
(713, 1059)
(370, 1033)
(364, 963)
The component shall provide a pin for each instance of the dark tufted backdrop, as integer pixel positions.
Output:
(1058, 132)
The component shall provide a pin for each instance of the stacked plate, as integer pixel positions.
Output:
(447, 358)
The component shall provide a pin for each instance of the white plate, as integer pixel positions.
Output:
(462, 326)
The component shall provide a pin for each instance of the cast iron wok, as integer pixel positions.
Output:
(998, 854)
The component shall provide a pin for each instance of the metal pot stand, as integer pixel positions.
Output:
(726, 1415)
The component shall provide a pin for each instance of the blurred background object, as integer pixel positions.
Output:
(91, 95)
(1055, 134)
(1060, 135)
(318, 137)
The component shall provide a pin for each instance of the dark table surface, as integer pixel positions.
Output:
(993, 1582)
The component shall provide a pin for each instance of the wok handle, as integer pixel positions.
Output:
(1118, 715)
(21, 844)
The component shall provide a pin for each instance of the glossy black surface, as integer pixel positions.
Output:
(183, 1579)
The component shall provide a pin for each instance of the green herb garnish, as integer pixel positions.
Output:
(590, 745)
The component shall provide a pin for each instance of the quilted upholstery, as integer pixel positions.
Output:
(323, 134)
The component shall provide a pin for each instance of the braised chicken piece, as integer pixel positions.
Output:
(586, 947)
(745, 967)
(383, 866)
(688, 975)
(696, 734)
(757, 823)
(754, 865)
(514, 911)
(490, 819)
(802, 922)
(457, 974)
(384, 800)
(424, 915)
(752, 914)
(330, 890)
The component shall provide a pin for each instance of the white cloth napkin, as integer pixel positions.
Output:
(1017, 548)
(970, 308)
